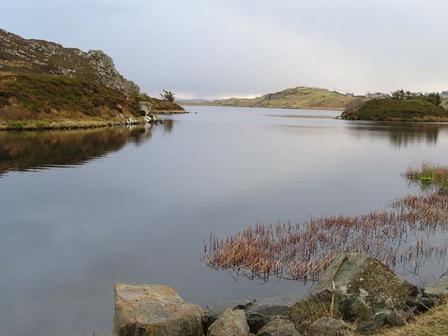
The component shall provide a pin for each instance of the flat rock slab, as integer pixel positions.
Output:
(154, 310)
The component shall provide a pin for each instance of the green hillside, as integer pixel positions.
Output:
(44, 85)
(295, 98)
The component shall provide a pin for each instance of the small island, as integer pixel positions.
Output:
(400, 106)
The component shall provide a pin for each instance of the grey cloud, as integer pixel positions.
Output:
(215, 48)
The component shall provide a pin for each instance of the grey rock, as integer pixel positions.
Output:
(145, 107)
(279, 327)
(422, 303)
(381, 319)
(230, 323)
(259, 312)
(264, 310)
(154, 310)
(108, 74)
(328, 326)
(360, 287)
(213, 311)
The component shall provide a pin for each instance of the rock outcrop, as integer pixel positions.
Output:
(38, 56)
(230, 323)
(355, 288)
(45, 85)
(154, 310)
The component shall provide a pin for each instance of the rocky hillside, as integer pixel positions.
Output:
(299, 97)
(43, 83)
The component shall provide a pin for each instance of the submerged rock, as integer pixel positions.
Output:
(230, 323)
(354, 288)
(154, 310)
(278, 327)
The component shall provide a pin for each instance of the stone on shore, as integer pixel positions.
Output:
(154, 310)
(328, 326)
(230, 323)
(278, 327)
(359, 287)
(259, 312)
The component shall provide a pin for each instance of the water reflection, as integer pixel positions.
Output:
(22, 151)
(400, 135)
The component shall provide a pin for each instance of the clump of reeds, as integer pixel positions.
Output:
(429, 174)
(400, 234)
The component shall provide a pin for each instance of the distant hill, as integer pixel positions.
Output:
(295, 98)
(43, 84)
(396, 110)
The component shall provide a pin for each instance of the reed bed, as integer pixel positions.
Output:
(429, 174)
(402, 234)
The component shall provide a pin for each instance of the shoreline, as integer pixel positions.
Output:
(70, 124)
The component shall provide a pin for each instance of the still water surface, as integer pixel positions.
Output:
(82, 210)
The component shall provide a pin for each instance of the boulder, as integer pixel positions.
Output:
(381, 319)
(328, 326)
(259, 312)
(264, 310)
(354, 288)
(213, 311)
(154, 310)
(230, 323)
(145, 107)
(278, 327)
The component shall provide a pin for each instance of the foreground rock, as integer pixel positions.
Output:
(354, 288)
(259, 312)
(154, 310)
(230, 323)
(328, 326)
(279, 327)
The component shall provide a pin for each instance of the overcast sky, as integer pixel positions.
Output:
(216, 48)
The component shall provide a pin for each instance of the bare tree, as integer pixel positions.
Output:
(168, 95)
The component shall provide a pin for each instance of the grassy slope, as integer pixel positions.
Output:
(300, 97)
(44, 85)
(433, 323)
(445, 103)
(396, 110)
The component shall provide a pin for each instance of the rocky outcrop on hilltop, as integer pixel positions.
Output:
(45, 85)
(37, 56)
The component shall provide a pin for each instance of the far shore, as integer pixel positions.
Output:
(270, 107)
